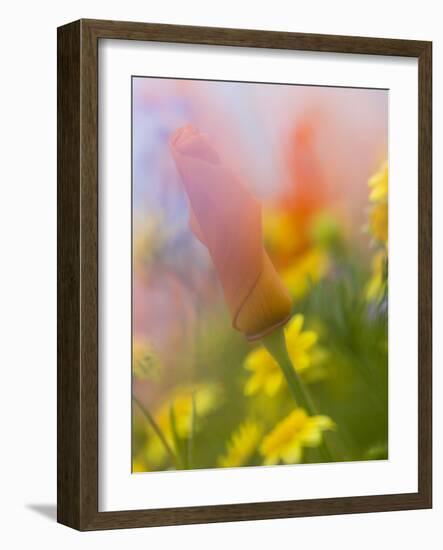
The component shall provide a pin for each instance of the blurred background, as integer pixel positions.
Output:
(315, 157)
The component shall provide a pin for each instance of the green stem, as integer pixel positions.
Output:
(179, 444)
(275, 343)
(191, 433)
(157, 430)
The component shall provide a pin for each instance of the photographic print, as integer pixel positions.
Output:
(259, 274)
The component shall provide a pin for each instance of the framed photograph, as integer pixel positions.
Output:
(244, 274)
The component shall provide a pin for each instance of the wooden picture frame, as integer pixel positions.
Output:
(77, 457)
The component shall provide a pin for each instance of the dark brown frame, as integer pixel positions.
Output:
(77, 429)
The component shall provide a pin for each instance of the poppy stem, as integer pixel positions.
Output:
(275, 343)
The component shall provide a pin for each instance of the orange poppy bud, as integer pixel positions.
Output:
(226, 217)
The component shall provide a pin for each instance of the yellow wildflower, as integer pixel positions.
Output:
(378, 221)
(266, 373)
(376, 287)
(299, 342)
(378, 184)
(286, 441)
(378, 226)
(378, 215)
(206, 398)
(306, 270)
(242, 445)
(145, 362)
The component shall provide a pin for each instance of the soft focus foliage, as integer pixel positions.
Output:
(314, 160)
(185, 404)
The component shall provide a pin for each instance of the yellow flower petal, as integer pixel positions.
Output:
(311, 436)
(270, 460)
(305, 271)
(306, 340)
(257, 358)
(253, 385)
(294, 326)
(297, 430)
(267, 375)
(273, 383)
(293, 453)
(379, 184)
(378, 222)
(242, 445)
(300, 360)
(323, 422)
